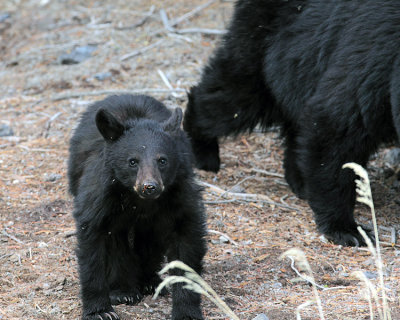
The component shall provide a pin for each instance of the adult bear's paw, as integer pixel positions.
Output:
(207, 154)
(130, 297)
(350, 238)
(106, 315)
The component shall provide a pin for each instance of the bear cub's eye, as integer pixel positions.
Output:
(162, 161)
(133, 163)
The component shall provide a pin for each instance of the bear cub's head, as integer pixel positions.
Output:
(142, 153)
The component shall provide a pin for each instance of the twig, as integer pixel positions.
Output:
(186, 16)
(164, 78)
(141, 22)
(307, 279)
(219, 201)
(301, 258)
(179, 37)
(11, 236)
(201, 30)
(191, 13)
(225, 236)
(106, 92)
(249, 197)
(268, 173)
(393, 238)
(141, 50)
(37, 149)
(171, 29)
(70, 234)
(165, 21)
(238, 184)
(5, 255)
(48, 124)
(225, 193)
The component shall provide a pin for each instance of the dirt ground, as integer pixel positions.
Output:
(41, 99)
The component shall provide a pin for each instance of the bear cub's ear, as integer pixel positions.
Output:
(173, 123)
(110, 128)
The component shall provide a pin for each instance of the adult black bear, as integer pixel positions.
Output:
(327, 72)
(135, 201)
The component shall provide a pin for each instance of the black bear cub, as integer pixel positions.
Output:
(327, 72)
(135, 202)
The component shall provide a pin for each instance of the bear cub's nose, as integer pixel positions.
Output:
(150, 190)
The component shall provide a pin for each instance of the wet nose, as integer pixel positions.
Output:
(150, 190)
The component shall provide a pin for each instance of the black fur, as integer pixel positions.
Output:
(135, 202)
(327, 72)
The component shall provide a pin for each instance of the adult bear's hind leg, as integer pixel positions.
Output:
(292, 172)
(330, 190)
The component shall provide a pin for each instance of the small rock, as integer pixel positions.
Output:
(277, 285)
(323, 239)
(223, 239)
(392, 157)
(77, 55)
(4, 16)
(5, 130)
(42, 244)
(52, 177)
(261, 316)
(370, 275)
(237, 189)
(15, 258)
(102, 75)
(45, 285)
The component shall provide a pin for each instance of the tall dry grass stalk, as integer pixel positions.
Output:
(195, 283)
(364, 195)
(303, 265)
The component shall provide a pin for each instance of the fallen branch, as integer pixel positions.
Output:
(236, 195)
(191, 13)
(225, 236)
(169, 24)
(107, 92)
(165, 79)
(201, 30)
(141, 50)
(307, 279)
(141, 22)
(11, 236)
(250, 197)
(268, 173)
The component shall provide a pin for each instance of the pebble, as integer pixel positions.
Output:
(77, 55)
(370, 275)
(277, 285)
(52, 177)
(392, 157)
(223, 239)
(102, 75)
(261, 316)
(4, 16)
(5, 130)
(42, 244)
